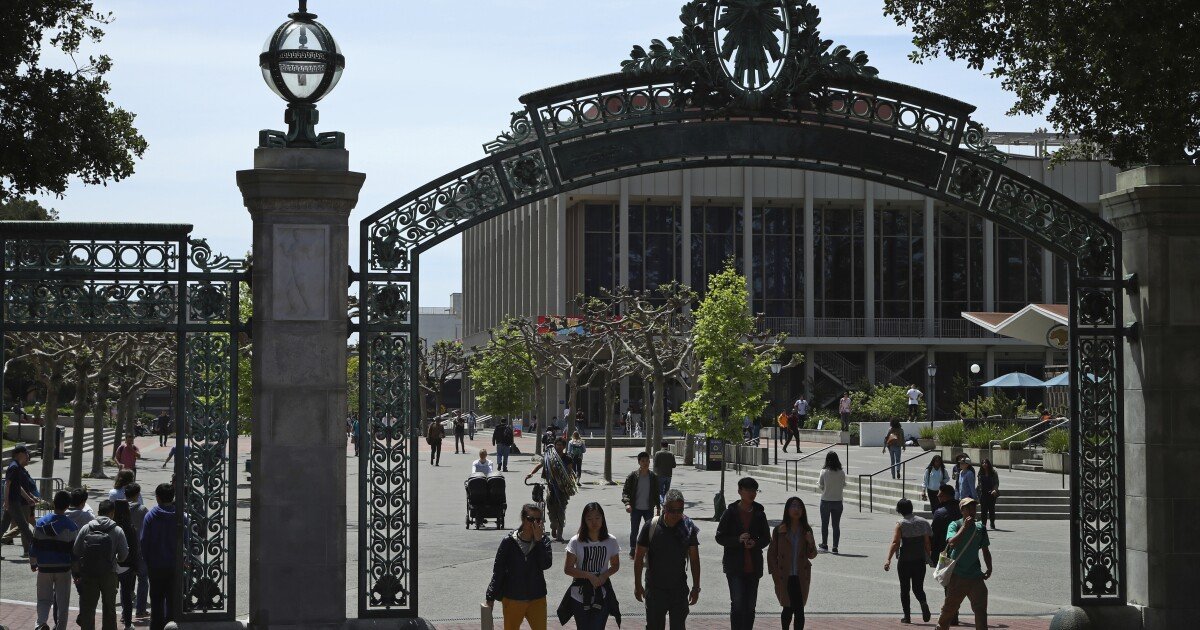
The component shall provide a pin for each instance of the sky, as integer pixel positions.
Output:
(425, 85)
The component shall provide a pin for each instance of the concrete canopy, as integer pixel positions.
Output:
(1032, 323)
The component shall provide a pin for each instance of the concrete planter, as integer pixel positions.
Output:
(976, 454)
(1004, 458)
(950, 452)
(927, 443)
(1057, 462)
(824, 437)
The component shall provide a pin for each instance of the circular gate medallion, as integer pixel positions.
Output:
(1058, 337)
(751, 38)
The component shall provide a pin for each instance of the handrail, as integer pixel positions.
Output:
(789, 462)
(903, 478)
(992, 445)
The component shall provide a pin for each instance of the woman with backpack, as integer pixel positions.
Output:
(893, 443)
(127, 570)
(936, 476)
(519, 572)
(912, 546)
(789, 561)
(575, 449)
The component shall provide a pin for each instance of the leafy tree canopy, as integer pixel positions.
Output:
(57, 123)
(22, 209)
(1125, 76)
(499, 376)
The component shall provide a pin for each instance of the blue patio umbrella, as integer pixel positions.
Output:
(1015, 379)
(1064, 379)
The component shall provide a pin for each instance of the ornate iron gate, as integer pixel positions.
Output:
(138, 278)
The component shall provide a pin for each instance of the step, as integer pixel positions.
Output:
(1029, 467)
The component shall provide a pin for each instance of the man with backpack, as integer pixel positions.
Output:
(53, 541)
(157, 544)
(98, 548)
(667, 546)
(502, 439)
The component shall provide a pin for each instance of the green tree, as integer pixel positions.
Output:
(22, 209)
(735, 372)
(1122, 75)
(58, 123)
(499, 375)
(352, 382)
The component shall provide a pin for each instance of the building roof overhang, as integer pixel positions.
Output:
(1032, 323)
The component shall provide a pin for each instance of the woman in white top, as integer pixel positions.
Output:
(593, 556)
(482, 465)
(936, 476)
(124, 478)
(832, 482)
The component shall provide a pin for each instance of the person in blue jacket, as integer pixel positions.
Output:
(53, 538)
(157, 544)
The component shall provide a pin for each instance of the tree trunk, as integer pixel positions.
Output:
(49, 429)
(660, 386)
(689, 449)
(611, 391)
(647, 415)
(539, 387)
(75, 477)
(572, 394)
(98, 426)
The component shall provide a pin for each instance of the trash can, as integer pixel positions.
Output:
(60, 442)
(714, 454)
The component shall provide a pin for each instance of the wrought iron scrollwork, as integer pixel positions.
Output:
(201, 256)
(387, 515)
(968, 181)
(527, 174)
(520, 131)
(1097, 458)
(975, 139)
(87, 301)
(387, 303)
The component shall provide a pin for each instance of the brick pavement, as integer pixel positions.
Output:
(812, 622)
(16, 615)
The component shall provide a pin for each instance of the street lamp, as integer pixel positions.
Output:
(301, 63)
(975, 372)
(931, 370)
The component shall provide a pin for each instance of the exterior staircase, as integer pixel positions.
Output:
(883, 493)
(1033, 464)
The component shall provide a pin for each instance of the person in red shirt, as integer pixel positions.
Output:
(128, 454)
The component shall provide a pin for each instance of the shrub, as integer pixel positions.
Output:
(997, 404)
(821, 414)
(982, 435)
(854, 429)
(927, 433)
(1009, 429)
(951, 434)
(1058, 441)
(887, 403)
(833, 425)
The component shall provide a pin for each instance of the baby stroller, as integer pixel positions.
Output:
(485, 500)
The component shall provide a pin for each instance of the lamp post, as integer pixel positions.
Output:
(974, 373)
(301, 63)
(775, 369)
(931, 370)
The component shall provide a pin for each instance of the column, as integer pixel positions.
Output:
(930, 266)
(869, 259)
(623, 235)
(931, 383)
(810, 246)
(685, 209)
(989, 266)
(748, 234)
(870, 366)
(1047, 277)
(300, 202)
(560, 255)
(810, 370)
(1157, 210)
(989, 363)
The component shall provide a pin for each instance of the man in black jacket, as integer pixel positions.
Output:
(502, 439)
(744, 533)
(946, 513)
(519, 571)
(641, 498)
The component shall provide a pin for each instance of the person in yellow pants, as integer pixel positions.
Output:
(519, 572)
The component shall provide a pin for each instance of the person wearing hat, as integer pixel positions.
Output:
(964, 540)
(744, 533)
(20, 495)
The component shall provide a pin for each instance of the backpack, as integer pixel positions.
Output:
(782, 421)
(97, 557)
(507, 434)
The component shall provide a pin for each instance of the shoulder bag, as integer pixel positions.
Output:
(945, 564)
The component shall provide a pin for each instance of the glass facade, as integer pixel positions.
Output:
(959, 273)
(838, 262)
(716, 237)
(1018, 272)
(779, 261)
(900, 262)
(655, 246)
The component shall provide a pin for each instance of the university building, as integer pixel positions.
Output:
(868, 281)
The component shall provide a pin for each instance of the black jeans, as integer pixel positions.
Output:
(435, 453)
(460, 442)
(128, 583)
(828, 509)
(743, 597)
(913, 412)
(912, 577)
(162, 603)
(796, 599)
(987, 508)
(589, 619)
(661, 602)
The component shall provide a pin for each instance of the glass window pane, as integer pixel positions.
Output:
(598, 217)
(636, 256)
(660, 219)
(659, 259)
(598, 263)
(719, 220)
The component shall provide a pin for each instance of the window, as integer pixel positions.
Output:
(838, 256)
(600, 243)
(959, 262)
(900, 262)
(778, 281)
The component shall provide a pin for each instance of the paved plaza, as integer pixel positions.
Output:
(849, 590)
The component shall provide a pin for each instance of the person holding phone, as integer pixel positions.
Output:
(519, 572)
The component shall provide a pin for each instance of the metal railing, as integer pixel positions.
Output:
(788, 464)
(994, 443)
(903, 478)
(47, 486)
(886, 327)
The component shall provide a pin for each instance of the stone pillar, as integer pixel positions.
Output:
(930, 250)
(868, 288)
(300, 202)
(1157, 210)
(810, 259)
(748, 236)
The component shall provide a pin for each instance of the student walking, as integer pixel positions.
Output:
(162, 427)
(593, 556)
(127, 455)
(137, 517)
(20, 495)
(53, 539)
(158, 550)
(471, 424)
(936, 476)
(966, 480)
(914, 403)
(434, 436)
(664, 467)
(744, 533)
(844, 410)
(641, 497)
(947, 513)
(912, 546)
(127, 569)
(519, 572)
(122, 481)
(98, 548)
(502, 439)
(789, 559)
(965, 539)
(460, 434)
(575, 450)
(893, 444)
(988, 492)
(831, 482)
(560, 485)
(801, 408)
(667, 546)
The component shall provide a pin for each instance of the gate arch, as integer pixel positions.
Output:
(677, 108)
